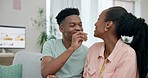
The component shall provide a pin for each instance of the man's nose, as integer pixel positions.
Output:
(78, 28)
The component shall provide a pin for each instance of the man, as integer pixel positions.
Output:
(65, 57)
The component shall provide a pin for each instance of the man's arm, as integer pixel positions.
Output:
(50, 66)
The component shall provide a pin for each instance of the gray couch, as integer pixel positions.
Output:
(31, 63)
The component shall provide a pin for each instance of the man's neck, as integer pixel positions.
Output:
(66, 43)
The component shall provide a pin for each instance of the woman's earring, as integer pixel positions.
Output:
(105, 29)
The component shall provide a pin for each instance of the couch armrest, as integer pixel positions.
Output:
(31, 63)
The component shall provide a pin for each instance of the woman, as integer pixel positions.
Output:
(113, 58)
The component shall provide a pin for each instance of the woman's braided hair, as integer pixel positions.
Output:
(129, 25)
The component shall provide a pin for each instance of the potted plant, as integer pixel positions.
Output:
(41, 21)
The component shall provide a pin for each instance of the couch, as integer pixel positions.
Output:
(31, 64)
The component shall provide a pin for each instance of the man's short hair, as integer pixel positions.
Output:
(66, 12)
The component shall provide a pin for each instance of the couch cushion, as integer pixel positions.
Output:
(31, 63)
(12, 71)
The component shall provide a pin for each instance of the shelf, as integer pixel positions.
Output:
(6, 54)
(6, 58)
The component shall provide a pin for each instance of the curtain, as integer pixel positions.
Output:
(89, 12)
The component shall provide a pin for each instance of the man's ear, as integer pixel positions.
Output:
(61, 29)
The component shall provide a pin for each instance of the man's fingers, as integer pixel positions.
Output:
(51, 76)
(83, 37)
(81, 34)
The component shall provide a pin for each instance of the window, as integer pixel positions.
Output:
(94, 8)
(127, 4)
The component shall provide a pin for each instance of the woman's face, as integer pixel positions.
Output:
(100, 25)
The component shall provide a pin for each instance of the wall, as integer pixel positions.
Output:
(144, 11)
(10, 16)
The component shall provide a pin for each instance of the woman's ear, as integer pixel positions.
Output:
(109, 24)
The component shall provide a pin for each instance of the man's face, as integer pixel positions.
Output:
(71, 25)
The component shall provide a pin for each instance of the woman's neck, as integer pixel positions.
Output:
(109, 46)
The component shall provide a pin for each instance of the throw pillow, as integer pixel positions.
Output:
(12, 71)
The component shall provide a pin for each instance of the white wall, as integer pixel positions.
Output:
(10, 16)
(144, 11)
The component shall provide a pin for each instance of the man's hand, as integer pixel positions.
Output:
(77, 39)
(51, 76)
